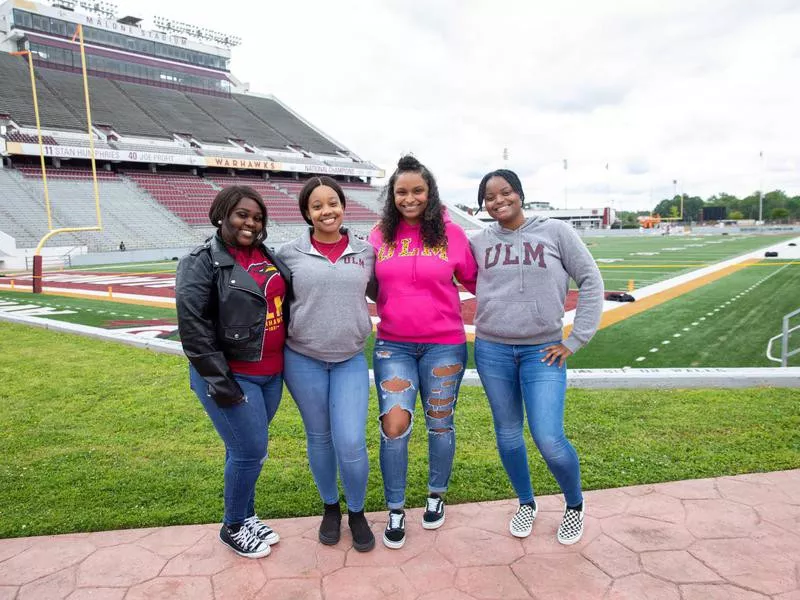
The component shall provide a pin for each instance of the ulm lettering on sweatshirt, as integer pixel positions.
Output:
(386, 251)
(510, 257)
(352, 260)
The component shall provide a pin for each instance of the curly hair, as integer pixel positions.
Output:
(433, 232)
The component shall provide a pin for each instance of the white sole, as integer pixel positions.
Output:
(518, 534)
(272, 539)
(570, 542)
(393, 545)
(261, 554)
(434, 525)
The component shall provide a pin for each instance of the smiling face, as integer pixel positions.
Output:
(243, 224)
(503, 204)
(325, 211)
(411, 196)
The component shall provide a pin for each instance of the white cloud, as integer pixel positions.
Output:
(659, 91)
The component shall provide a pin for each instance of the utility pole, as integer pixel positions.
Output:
(761, 187)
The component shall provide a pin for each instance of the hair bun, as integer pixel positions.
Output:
(408, 163)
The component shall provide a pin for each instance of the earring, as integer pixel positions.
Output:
(219, 222)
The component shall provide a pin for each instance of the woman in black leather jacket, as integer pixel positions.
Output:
(231, 295)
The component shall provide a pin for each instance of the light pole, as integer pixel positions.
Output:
(761, 188)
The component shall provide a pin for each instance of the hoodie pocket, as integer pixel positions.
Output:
(507, 319)
(412, 315)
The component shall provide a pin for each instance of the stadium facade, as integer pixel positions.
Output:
(171, 125)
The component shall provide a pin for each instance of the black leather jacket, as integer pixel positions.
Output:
(221, 315)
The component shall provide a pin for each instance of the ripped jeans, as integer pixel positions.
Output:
(435, 371)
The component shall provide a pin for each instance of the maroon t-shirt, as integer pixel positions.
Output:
(268, 278)
(331, 251)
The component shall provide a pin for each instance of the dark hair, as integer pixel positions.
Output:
(432, 219)
(310, 186)
(227, 199)
(509, 176)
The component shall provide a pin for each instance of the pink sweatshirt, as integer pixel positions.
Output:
(417, 299)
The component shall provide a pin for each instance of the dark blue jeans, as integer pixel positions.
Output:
(516, 379)
(244, 430)
(435, 370)
(333, 399)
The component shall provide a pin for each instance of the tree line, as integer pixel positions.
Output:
(778, 207)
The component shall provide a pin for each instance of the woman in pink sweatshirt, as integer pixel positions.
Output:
(421, 343)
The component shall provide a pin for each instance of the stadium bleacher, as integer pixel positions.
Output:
(242, 123)
(281, 120)
(15, 98)
(110, 106)
(175, 112)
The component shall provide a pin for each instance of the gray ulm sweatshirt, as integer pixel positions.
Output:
(523, 279)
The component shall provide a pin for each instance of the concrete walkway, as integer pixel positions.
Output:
(709, 539)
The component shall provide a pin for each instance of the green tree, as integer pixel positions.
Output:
(779, 214)
(735, 215)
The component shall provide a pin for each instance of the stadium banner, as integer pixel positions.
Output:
(268, 165)
(106, 154)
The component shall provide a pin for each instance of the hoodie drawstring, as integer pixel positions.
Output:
(519, 261)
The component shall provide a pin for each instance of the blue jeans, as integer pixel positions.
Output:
(436, 370)
(513, 377)
(244, 430)
(333, 399)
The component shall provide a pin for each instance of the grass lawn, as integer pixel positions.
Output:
(726, 323)
(102, 436)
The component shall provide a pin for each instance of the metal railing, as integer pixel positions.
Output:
(784, 337)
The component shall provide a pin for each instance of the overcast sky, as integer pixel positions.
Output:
(686, 90)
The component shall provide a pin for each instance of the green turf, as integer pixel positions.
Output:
(97, 313)
(651, 258)
(645, 259)
(732, 335)
(102, 436)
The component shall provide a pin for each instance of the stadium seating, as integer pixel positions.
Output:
(109, 105)
(188, 196)
(128, 213)
(175, 112)
(28, 138)
(16, 98)
(242, 123)
(287, 124)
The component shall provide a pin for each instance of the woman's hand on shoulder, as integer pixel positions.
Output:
(556, 352)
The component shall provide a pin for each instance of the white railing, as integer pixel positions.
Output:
(784, 337)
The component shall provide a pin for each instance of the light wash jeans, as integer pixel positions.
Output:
(515, 377)
(244, 430)
(333, 399)
(435, 371)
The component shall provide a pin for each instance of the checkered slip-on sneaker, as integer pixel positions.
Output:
(521, 523)
(571, 528)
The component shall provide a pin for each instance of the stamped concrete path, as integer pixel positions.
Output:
(730, 538)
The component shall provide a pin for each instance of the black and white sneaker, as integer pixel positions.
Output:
(433, 518)
(261, 530)
(394, 536)
(571, 528)
(521, 523)
(243, 542)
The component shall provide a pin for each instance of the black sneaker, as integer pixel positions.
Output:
(363, 539)
(329, 529)
(434, 512)
(261, 530)
(394, 536)
(243, 542)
